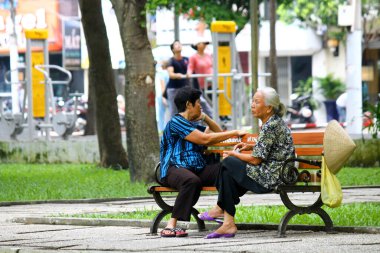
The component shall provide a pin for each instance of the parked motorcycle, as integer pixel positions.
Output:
(301, 110)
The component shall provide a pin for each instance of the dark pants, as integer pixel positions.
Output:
(233, 183)
(189, 185)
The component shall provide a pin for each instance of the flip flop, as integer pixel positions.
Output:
(171, 234)
(206, 217)
(217, 235)
(180, 232)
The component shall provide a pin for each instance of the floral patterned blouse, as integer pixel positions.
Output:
(274, 145)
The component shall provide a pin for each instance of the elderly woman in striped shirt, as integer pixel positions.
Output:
(183, 166)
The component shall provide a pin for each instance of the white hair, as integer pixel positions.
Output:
(272, 98)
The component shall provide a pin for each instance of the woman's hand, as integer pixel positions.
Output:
(228, 153)
(201, 117)
(243, 146)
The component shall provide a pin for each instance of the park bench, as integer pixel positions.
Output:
(300, 175)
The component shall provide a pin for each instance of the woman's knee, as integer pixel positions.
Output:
(232, 162)
(193, 182)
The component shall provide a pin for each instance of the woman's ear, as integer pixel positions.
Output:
(270, 109)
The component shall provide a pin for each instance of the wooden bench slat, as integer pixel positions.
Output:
(309, 151)
(315, 138)
(300, 151)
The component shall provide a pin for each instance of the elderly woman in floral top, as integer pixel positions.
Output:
(259, 171)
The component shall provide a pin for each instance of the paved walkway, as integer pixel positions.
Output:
(121, 237)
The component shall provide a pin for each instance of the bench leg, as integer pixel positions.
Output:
(166, 209)
(293, 210)
(200, 223)
(284, 223)
(157, 220)
(160, 201)
(163, 213)
(326, 219)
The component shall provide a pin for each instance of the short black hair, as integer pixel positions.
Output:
(172, 45)
(186, 94)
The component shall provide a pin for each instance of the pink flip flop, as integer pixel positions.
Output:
(206, 217)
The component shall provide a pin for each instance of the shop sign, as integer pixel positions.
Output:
(31, 14)
(71, 44)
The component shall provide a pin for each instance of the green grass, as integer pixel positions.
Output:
(359, 176)
(357, 214)
(26, 182)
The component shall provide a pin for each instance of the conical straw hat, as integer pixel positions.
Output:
(337, 146)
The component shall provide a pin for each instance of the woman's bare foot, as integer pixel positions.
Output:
(216, 212)
(227, 229)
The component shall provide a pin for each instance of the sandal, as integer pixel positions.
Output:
(171, 234)
(206, 217)
(180, 232)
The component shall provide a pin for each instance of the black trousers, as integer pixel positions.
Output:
(189, 185)
(233, 182)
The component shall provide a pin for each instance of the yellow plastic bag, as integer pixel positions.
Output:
(331, 190)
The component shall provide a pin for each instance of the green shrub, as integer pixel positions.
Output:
(331, 87)
(366, 154)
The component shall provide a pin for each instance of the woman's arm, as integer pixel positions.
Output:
(202, 138)
(248, 158)
(213, 127)
(191, 66)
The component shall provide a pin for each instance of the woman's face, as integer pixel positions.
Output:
(258, 107)
(194, 111)
(201, 46)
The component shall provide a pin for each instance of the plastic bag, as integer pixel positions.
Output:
(331, 190)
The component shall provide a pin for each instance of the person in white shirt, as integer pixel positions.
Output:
(341, 104)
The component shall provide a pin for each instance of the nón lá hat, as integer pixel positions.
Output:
(337, 146)
(198, 40)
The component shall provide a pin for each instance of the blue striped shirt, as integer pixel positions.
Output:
(176, 151)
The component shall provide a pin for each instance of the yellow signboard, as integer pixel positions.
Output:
(37, 34)
(224, 66)
(38, 85)
(223, 26)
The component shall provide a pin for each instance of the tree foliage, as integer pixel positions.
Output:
(208, 10)
(323, 14)
(371, 20)
(311, 13)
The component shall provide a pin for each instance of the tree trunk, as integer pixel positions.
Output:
(273, 54)
(140, 113)
(101, 79)
(90, 114)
